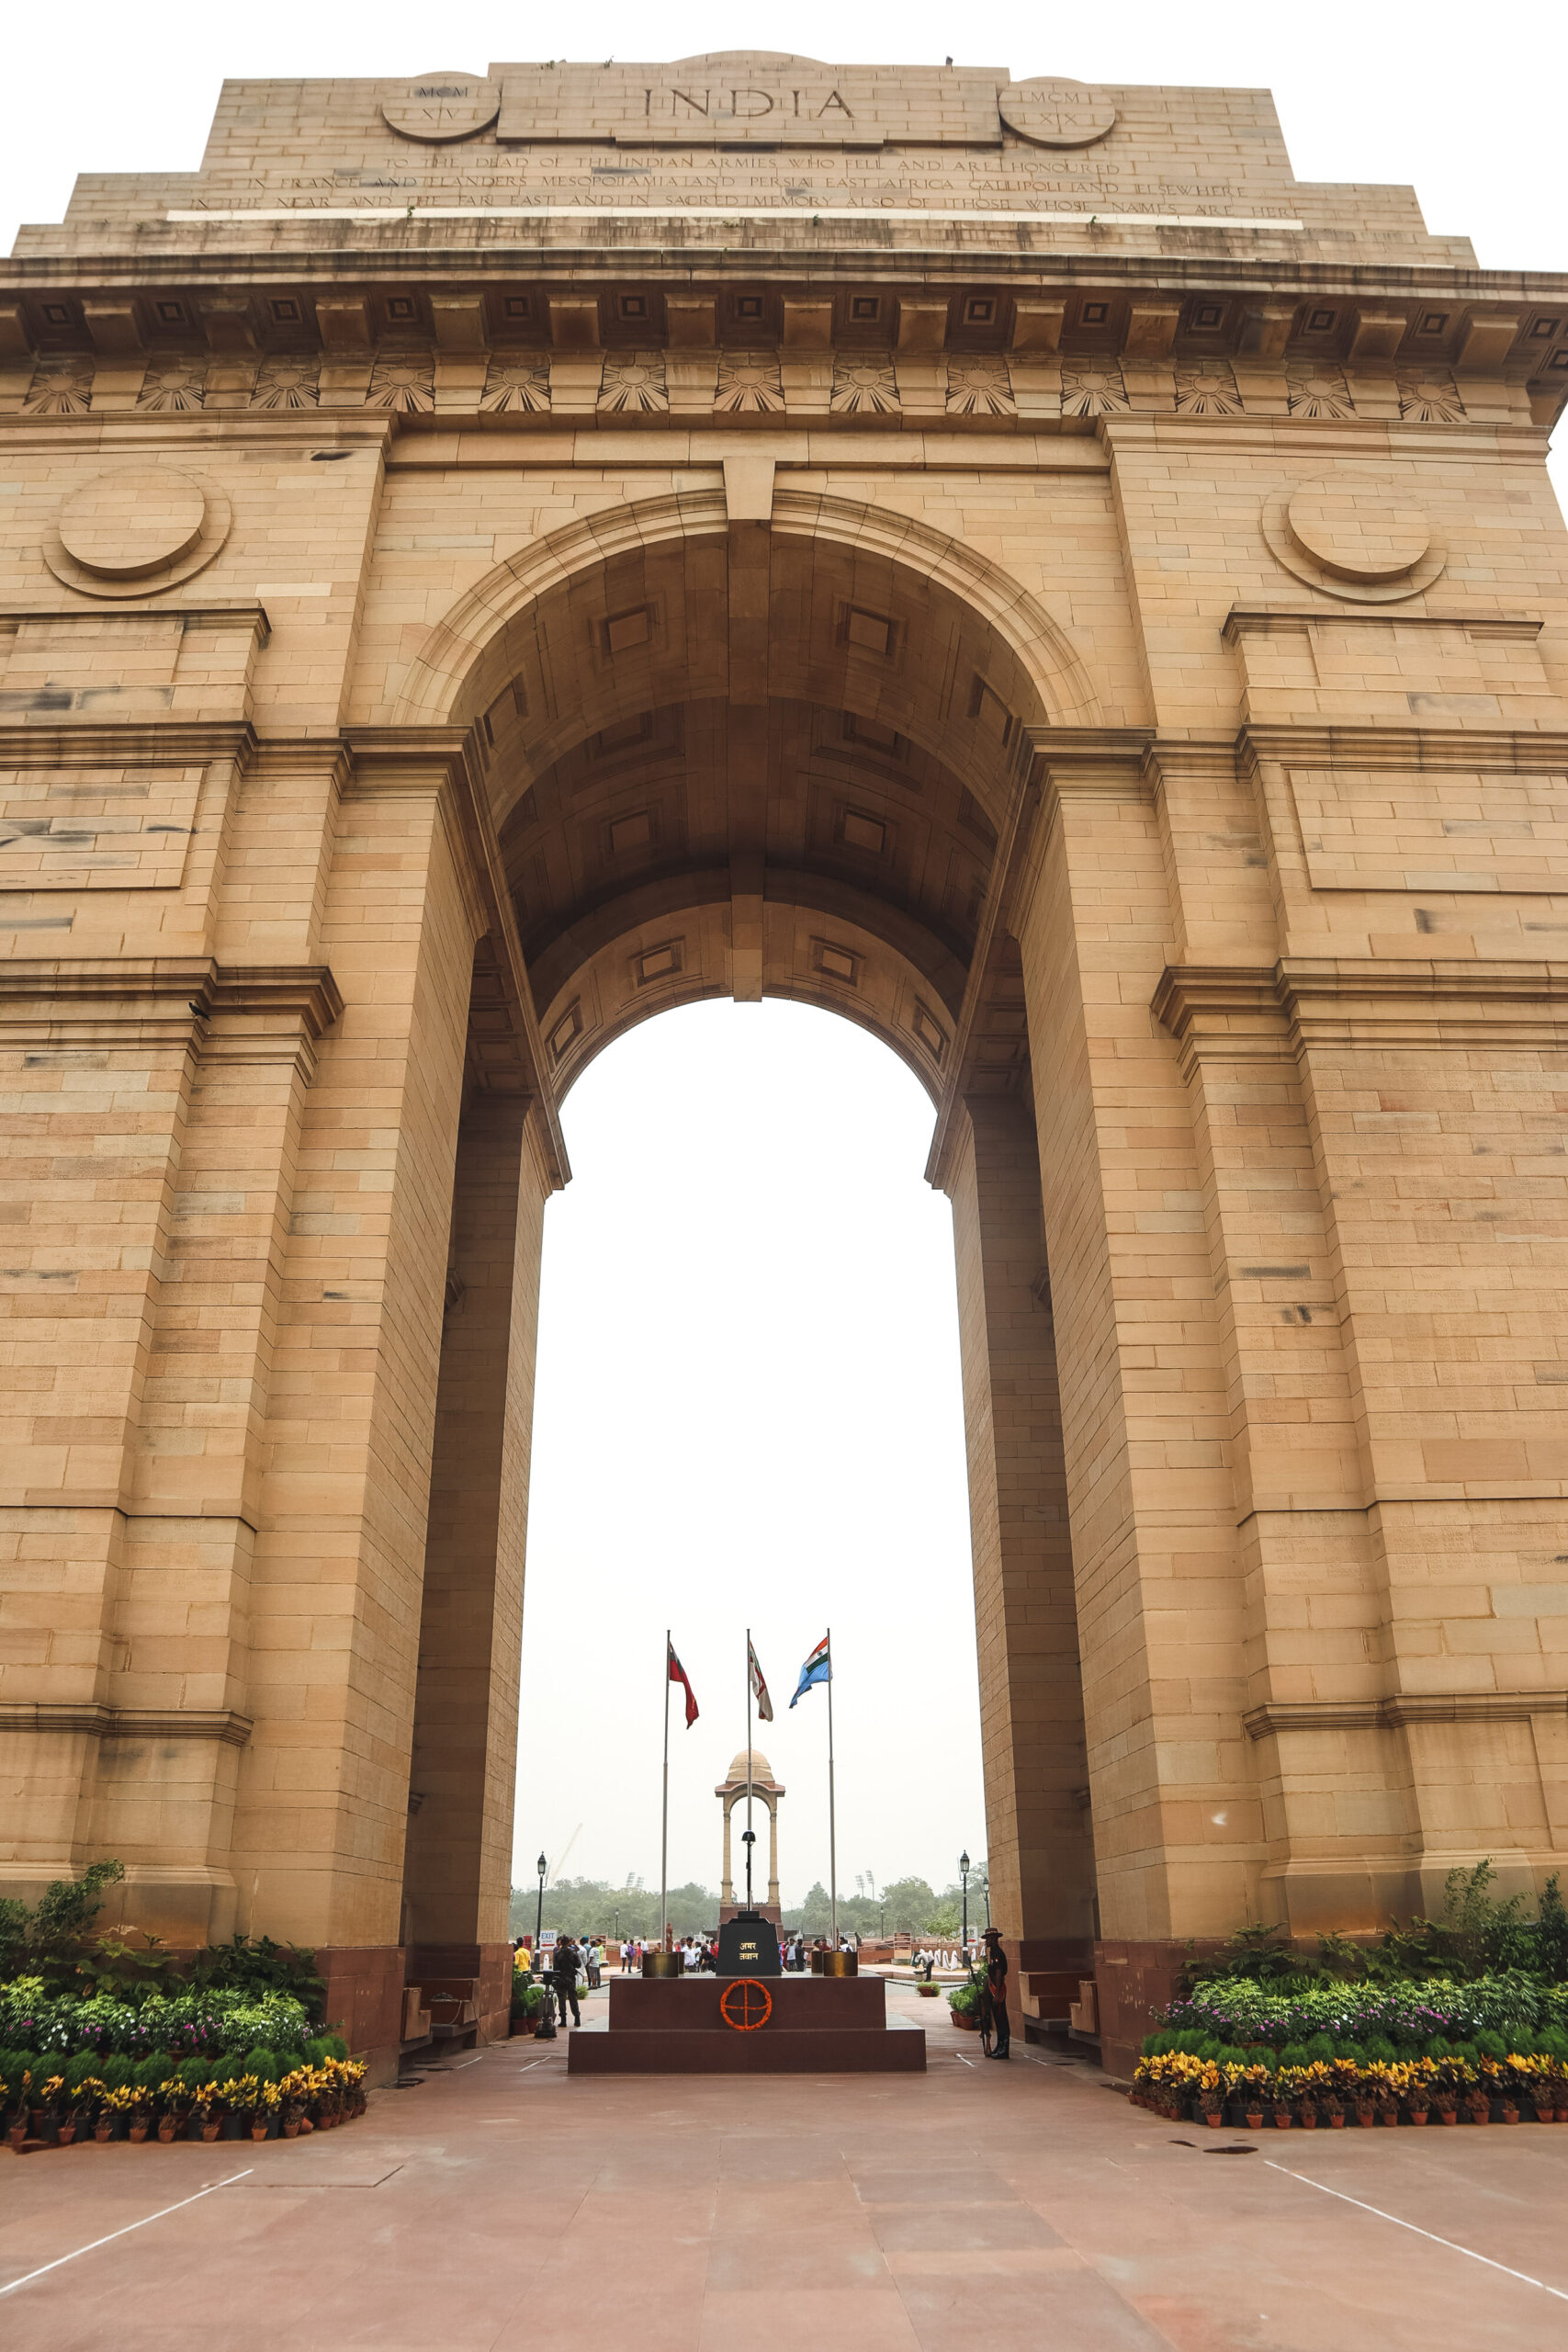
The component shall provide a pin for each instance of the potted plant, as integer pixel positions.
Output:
(13, 2095)
(1249, 2086)
(117, 2073)
(1211, 2087)
(82, 2094)
(964, 2006)
(147, 2113)
(294, 2091)
(172, 2106)
(1417, 2080)
(48, 2089)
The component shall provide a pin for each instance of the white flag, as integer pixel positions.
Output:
(759, 1688)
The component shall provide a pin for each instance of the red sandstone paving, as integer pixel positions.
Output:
(1025, 2206)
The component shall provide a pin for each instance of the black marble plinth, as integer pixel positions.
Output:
(747, 1946)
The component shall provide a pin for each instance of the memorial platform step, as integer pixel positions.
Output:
(814, 2025)
(842, 2049)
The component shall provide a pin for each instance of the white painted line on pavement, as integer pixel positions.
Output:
(26, 2279)
(1453, 2247)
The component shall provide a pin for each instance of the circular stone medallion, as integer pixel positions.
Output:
(123, 525)
(1358, 538)
(1051, 113)
(137, 532)
(1352, 540)
(443, 106)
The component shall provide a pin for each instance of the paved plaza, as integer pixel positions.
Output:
(497, 2206)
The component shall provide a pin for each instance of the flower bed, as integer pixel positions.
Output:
(177, 2023)
(1236, 2009)
(112, 2036)
(1185, 2076)
(46, 2100)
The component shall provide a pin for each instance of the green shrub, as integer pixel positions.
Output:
(14, 2066)
(1491, 2045)
(152, 2073)
(117, 2071)
(82, 2068)
(263, 2063)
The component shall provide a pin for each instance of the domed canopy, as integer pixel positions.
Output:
(760, 1768)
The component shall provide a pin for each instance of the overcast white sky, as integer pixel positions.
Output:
(748, 1393)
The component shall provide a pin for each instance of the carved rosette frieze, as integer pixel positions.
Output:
(1208, 389)
(1032, 379)
(1316, 390)
(290, 381)
(634, 382)
(61, 387)
(516, 383)
(402, 381)
(1428, 396)
(1093, 390)
(175, 380)
(749, 382)
(979, 387)
(864, 388)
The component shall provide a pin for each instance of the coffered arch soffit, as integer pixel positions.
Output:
(837, 603)
(670, 944)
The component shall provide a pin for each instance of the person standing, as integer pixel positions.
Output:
(997, 1992)
(563, 1975)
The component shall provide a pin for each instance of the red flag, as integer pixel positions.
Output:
(678, 1674)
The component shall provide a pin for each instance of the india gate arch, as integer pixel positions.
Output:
(784, 675)
(1116, 654)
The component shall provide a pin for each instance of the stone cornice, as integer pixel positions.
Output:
(1225, 1009)
(183, 1001)
(140, 743)
(126, 1723)
(219, 615)
(1516, 751)
(410, 756)
(215, 270)
(1413, 1708)
(1280, 621)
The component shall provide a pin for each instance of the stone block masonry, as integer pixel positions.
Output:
(486, 558)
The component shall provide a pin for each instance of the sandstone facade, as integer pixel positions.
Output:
(491, 557)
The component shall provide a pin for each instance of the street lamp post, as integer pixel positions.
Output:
(541, 1866)
(963, 1874)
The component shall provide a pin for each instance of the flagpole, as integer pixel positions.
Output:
(749, 1768)
(664, 1825)
(833, 1831)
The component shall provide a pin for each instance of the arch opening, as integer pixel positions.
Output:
(755, 758)
(789, 761)
(749, 1414)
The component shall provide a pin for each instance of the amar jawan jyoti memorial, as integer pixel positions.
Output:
(490, 560)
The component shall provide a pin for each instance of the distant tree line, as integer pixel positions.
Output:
(592, 1906)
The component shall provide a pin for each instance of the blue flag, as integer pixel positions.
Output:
(818, 1668)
